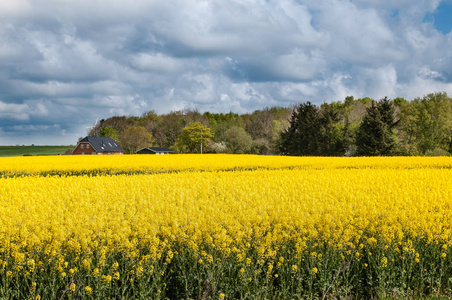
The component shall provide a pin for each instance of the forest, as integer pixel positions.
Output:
(352, 127)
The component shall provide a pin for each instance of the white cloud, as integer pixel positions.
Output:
(379, 82)
(13, 8)
(299, 65)
(400, 4)
(39, 109)
(69, 58)
(23, 111)
(20, 112)
(156, 63)
(419, 86)
(426, 73)
(357, 35)
(31, 127)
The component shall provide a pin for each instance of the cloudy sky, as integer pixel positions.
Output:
(66, 63)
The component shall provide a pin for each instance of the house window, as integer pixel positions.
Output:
(82, 146)
(87, 146)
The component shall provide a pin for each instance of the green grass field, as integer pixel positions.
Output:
(33, 150)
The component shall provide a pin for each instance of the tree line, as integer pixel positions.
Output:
(255, 132)
(353, 127)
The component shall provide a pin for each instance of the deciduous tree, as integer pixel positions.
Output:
(195, 136)
(427, 123)
(135, 138)
(110, 132)
(238, 140)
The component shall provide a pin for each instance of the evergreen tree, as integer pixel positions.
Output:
(314, 131)
(301, 138)
(375, 135)
(331, 135)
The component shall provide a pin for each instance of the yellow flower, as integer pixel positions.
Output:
(221, 296)
(31, 263)
(384, 262)
(72, 287)
(86, 264)
(116, 276)
(314, 270)
(443, 255)
(372, 241)
(96, 272)
(88, 289)
(270, 268)
(294, 268)
(63, 274)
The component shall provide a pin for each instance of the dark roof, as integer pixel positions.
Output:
(160, 149)
(155, 150)
(102, 144)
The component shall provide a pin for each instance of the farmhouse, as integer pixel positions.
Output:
(97, 145)
(155, 150)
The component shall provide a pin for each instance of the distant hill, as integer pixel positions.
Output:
(33, 150)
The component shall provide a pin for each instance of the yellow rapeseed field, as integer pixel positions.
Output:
(134, 164)
(231, 226)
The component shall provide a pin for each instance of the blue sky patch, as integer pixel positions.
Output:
(441, 18)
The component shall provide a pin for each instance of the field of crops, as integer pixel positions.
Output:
(224, 227)
(33, 150)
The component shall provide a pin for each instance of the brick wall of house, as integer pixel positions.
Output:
(84, 148)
